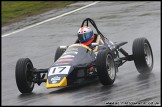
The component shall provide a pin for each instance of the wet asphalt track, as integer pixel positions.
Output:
(119, 21)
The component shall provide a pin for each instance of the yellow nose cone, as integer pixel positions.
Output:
(62, 83)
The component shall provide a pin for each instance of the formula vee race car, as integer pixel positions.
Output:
(77, 62)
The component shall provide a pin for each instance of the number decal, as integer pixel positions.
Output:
(62, 68)
(59, 70)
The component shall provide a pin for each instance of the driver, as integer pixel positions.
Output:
(86, 36)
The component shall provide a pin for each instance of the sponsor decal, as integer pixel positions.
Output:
(67, 56)
(70, 52)
(62, 64)
(73, 49)
(59, 70)
(64, 60)
(54, 82)
(56, 78)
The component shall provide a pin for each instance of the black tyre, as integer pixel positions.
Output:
(143, 56)
(24, 75)
(106, 68)
(58, 53)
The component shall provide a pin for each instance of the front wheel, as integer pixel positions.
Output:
(24, 75)
(143, 56)
(106, 68)
(59, 52)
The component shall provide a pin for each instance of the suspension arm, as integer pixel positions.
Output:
(37, 75)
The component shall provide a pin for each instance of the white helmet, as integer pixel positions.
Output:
(85, 34)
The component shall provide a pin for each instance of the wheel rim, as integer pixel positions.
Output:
(148, 55)
(110, 66)
(29, 75)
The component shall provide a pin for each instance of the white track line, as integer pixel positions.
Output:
(59, 16)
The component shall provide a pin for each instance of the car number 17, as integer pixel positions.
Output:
(59, 70)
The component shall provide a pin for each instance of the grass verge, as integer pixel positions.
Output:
(13, 11)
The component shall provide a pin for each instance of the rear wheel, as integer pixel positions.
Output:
(24, 75)
(143, 56)
(106, 68)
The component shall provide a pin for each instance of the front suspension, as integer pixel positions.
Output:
(37, 78)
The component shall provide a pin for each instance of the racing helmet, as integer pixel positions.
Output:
(85, 35)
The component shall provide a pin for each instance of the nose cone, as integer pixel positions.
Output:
(62, 83)
(57, 76)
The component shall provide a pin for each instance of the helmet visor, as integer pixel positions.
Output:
(85, 36)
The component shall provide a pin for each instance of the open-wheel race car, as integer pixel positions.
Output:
(77, 62)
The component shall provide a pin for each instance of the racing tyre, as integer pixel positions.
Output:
(143, 56)
(106, 68)
(24, 75)
(59, 52)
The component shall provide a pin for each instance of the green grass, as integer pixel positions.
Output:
(13, 11)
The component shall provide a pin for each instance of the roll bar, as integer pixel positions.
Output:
(95, 26)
